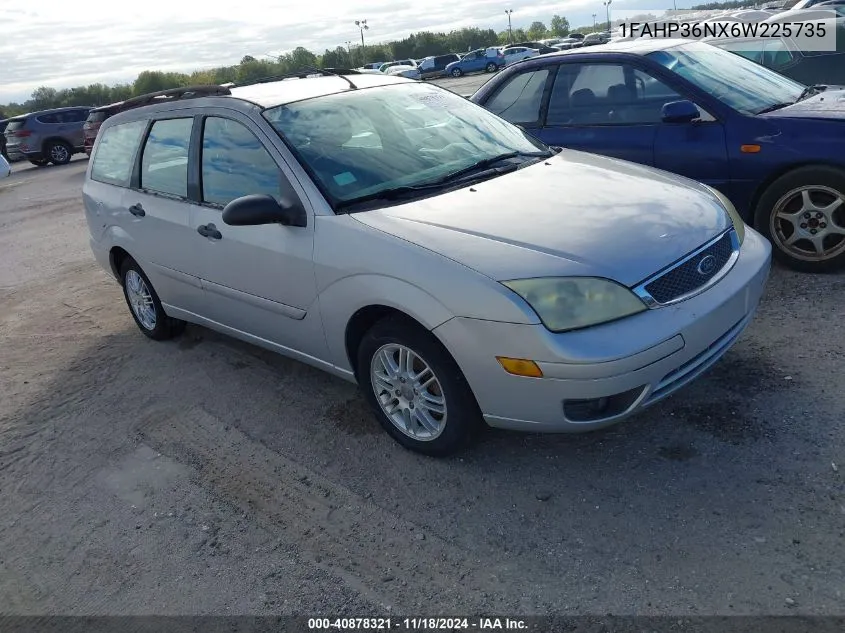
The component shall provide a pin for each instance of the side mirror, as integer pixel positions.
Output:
(257, 209)
(680, 112)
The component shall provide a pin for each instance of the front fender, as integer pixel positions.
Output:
(346, 296)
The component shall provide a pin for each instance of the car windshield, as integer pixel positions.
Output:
(363, 142)
(740, 83)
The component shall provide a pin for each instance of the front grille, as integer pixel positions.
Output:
(691, 274)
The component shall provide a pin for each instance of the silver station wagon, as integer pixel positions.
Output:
(401, 237)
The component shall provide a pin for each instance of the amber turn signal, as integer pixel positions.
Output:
(749, 149)
(520, 367)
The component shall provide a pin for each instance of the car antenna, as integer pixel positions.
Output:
(324, 71)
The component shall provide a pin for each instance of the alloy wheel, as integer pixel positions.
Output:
(408, 391)
(808, 223)
(141, 300)
(59, 153)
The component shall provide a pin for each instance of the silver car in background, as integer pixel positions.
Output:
(401, 237)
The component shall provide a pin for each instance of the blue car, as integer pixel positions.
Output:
(774, 147)
(482, 60)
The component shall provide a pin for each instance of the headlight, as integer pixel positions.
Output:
(738, 223)
(569, 303)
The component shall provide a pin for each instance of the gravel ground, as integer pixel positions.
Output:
(205, 476)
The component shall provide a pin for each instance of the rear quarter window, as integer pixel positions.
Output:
(115, 153)
(17, 124)
(97, 117)
(47, 118)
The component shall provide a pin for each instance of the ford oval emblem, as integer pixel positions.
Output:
(707, 265)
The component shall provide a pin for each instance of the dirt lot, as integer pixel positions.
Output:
(207, 476)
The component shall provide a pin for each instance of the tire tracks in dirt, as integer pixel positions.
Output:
(388, 559)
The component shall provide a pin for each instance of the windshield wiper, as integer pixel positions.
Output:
(811, 91)
(776, 106)
(489, 162)
(456, 178)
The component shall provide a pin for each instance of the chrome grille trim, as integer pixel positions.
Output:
(651, 302)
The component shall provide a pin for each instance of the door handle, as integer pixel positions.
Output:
(137, 210)
(209, 230)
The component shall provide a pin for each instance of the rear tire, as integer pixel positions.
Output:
(403, 369)
(802, 214)
(491, 67)
(59, 153)
(145, 306)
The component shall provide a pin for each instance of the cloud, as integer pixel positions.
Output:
(105, 42)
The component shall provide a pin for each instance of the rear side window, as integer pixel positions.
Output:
(115, 154)
(16, 124)
(235, 163)
(75, 116)
(47, 118)
(97, 117)
(164, 165)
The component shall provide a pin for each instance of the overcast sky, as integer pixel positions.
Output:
(63, 44)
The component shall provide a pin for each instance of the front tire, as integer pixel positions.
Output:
(457, 72)
(416, 388)
(59, 153)
(802, 214)
(145, 306)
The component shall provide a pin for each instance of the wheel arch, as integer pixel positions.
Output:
(56, 139)
(117, 257)
(361, 322)
(350, 306)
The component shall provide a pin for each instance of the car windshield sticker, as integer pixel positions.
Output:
(344, 179)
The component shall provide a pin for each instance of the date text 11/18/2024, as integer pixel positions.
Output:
(416, 624)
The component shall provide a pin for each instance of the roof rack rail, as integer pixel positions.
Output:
(304, 74)
(186, 92)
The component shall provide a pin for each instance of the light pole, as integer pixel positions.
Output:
(510, 29)
(607, 10)
(594, 21)
(362, 26)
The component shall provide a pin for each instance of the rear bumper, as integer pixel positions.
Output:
(599, 376)
(15, 153)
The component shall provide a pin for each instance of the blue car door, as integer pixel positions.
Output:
(473, 61)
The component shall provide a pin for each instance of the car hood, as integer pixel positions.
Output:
(829, 104)
(573, 214)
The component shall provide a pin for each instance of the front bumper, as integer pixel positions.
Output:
(600, 375)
